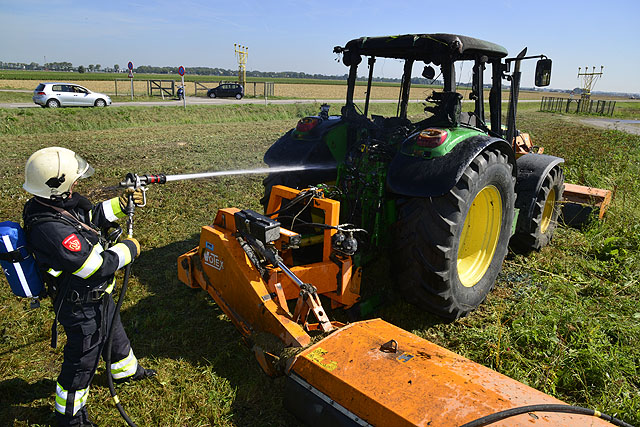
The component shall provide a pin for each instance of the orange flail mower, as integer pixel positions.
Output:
(268, 280)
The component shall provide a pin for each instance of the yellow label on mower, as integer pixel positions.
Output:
(317, 356)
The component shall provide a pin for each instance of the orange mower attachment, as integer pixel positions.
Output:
(229, 261)
(579, 201)
(362, 374)
(374, 373)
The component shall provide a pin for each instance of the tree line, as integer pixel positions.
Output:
(202, 71)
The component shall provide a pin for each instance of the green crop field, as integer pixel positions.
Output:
(565, 320)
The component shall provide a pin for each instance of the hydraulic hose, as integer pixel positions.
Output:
(568, 409)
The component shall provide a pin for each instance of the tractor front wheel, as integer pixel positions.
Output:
(535, 229)
(449, 249)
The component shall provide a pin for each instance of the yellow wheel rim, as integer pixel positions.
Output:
(547, 213)
(480, 235)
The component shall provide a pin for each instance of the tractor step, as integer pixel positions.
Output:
(374, 373)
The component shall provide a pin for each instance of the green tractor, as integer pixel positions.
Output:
(445, 195)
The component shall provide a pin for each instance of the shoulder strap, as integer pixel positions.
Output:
(38, 218)
(68, 215)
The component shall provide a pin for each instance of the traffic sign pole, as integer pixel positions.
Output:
(184, 95)
(184, 92)
(130, 66)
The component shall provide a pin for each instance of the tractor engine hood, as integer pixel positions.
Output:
(303, 148)
(418, 177)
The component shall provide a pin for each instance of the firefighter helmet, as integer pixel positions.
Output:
(50, 172)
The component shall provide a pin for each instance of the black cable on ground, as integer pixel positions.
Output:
(112, 390)
(568, 409)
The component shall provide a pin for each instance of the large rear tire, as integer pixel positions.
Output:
(535, 231)
(448, 250)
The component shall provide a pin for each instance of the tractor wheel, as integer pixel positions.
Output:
(449, 249)
(535, 231)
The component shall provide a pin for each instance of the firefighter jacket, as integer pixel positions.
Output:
(74, 254)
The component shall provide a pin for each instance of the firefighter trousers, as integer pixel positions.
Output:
(87, 326)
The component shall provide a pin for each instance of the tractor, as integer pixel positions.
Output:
(446, 194)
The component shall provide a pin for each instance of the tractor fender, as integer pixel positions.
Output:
(309, 149)
(532, 170)
(413, 176)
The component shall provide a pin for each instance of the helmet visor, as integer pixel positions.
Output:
(84, 169)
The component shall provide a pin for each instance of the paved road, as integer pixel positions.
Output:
(629, 126)
(192, 100)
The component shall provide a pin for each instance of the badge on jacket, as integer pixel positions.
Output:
(72, 243)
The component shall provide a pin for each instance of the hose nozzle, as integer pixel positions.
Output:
(133, 180)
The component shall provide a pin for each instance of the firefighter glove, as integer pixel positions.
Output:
(136, 243)
(138, 198)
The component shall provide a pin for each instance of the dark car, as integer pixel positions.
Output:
(226, 90)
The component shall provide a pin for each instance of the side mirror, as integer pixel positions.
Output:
(350, 59)
(428, 72)
(543, 72)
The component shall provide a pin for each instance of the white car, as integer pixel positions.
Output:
(54, 95)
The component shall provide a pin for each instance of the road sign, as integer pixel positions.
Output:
(130, 74)
(181, 70)
(130, 65)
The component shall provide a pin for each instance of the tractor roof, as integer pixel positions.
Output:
(424, 47)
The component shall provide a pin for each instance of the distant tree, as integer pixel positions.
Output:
(117, 68)
(91, 67)
(98, 66)
(81, 69)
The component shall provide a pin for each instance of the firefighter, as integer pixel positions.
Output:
(64, 231)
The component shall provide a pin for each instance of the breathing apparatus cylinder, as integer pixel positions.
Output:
(18, 264)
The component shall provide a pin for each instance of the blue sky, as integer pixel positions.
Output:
(299, 35)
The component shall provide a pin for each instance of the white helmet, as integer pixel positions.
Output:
(50, 172)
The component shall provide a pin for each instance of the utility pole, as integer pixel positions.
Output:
(242, 52)
(589, 80)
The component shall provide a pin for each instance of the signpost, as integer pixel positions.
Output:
(184, 92)
(130, 66)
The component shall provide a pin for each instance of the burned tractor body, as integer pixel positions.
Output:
(445, 194)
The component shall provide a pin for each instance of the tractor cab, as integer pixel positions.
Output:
(438, 55)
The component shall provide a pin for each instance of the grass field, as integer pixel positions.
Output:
(565, 320)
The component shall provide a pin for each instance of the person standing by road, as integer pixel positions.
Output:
(65, 232)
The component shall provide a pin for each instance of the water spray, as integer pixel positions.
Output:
(140, 181)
